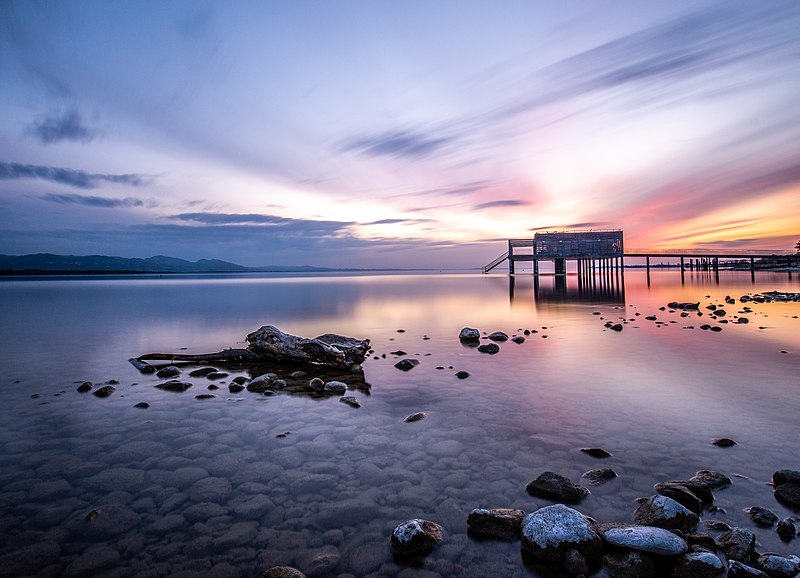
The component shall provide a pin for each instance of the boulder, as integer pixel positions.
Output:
(779, 566)
(498, 336)
(738, 544)
(738, 570)
(338, 387)
(261, 383)
(104, 391)
(329, 349)
(629, 564)
(762, 516)
(283, 572)
(174, 385)
(168, 371)
(599, 476)
(786, 529)
(415, 536)
(502, 523)
(711, 478)
(553, 486)
(490, 348)
(680, 494)
(788, 494)
(781, 477)
(469, 335)
(550, 532)
(698, 565)
(649, 539)
(666, 513)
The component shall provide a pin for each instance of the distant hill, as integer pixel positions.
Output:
(49, 263)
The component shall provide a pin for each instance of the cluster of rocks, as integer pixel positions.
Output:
(662, 541)
(472, 337)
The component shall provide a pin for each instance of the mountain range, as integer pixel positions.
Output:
(49, 263)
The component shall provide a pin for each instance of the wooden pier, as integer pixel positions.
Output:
(603, 252)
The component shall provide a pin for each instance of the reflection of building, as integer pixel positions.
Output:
(591, 250)
(601, 289)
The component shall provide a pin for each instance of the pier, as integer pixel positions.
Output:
(603, 252)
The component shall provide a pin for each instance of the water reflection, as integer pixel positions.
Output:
(547, 290)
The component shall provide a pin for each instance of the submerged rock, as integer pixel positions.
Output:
(168, 371)
(469, 335)
(698, 565)
(406, 364)
(599, 476)
(351, 401)
(104, 391)
(666, 513)
(648, 539)
(498, 336)
(762, 516)
(416, 536)
(202, 371)
(553, 486)
(462, 374)
(711, 478)
(597, 452)
(502, 523)
(283, 572)
(723, 442)
(788, 494)
(85, 387)
(550, 532)
(681, 494)
(490, 348)
(174, 386)
(415, 417)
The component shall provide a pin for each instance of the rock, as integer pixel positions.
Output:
(762, 516)
(205, 396)
(398, 353)
(788, 494)
(698, 565)
(700, 541)
(717, 525)
(490, 348)
(786, 529)
(338, 387)
(143, 367)
(778, 566)
(685, 306)
(681, 494)
(406, 364)
(168, 371)
(316, 384)
(737, 544)
(556, 487)
(469, 335)
(415, 536)
(351, 401)
(235, 388)
(322, 563)
(217, 375)
(723, 442)
(415, 417)
(720, 312)
(502, 523)
(550, 532)
(240, 380)
(85, 386)
(104, 391)
(629, 564)
(651, 317)
(333, 350)
(202, 372)
(142, 405)
(666, 513)
(174, 385)
(498, 336)
(462, 374)
(597, 452)
(781, 477)
(738, 570)
(713, 479)
(599, 476)
(518, 339)
(646, 539)
(283, 572)
(575, 564)
(261, 383)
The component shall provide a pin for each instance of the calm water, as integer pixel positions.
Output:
(194, 486)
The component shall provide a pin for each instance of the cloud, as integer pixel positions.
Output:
(402, 143)
(231, 218)
(71, 177)
(455, 190)
(398, 221)
(66, 127)
(277, 227)
(584, 225)
(91, 201)
(500, 203)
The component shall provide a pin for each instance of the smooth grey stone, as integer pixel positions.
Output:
(550, 532)
(648, 539)
(698, 565)
(469, 335)
(665, 513)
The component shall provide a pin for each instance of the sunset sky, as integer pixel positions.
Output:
(394, 134)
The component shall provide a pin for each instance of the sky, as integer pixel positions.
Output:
(395, 134)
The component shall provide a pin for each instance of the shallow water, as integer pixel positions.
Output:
(194, 486)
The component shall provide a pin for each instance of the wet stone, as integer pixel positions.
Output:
(498, 336)
(142, 405)
(597, 452)
(283, 572)
(629, 564)
(723, 442)
(174, 386)
(502, 523)
(406, 364)
(648, 539)
(351, 401)
(698, 565)
(779, 566)
(550, 532)
(666, 513)
(415, 536)
(415, 417)
(554, 486)
(168, 371)
(680, 494)
(788, 494)
(599, 476)
(737, 544)
(490, 348)
(781, 477)
(85, 386)
(786, 529)
(762, 516)
(711, 478)
(469, 335)
(738, 570)
(462, 374)
(104, 391)
(202, 372)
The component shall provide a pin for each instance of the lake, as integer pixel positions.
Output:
(237, 483)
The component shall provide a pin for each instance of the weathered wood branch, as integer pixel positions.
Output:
(271, 344)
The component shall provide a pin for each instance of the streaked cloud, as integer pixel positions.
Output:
(402, 143)
(70, 177)
(91, 201)
(67, 126)
(500, 203)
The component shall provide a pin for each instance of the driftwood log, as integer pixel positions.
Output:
(271, 344)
